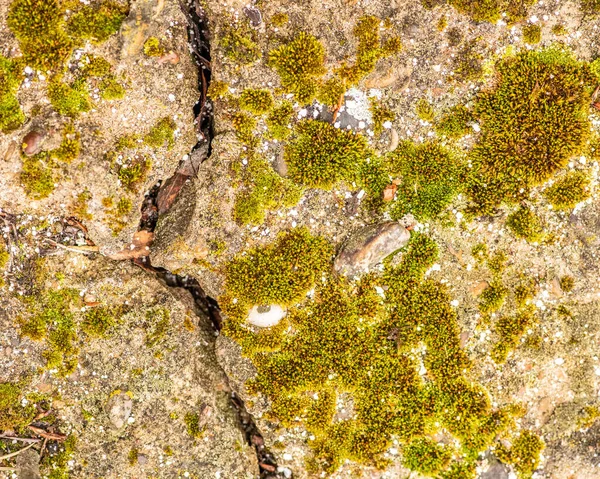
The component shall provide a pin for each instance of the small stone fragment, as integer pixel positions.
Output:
(389, 192)
(142, 459)
(119, 408)
(253, 15)
(170, 57)
(265, 316)
(394, 140)
(32, 142)
(478, 288)
(28, 465)
(369, 246)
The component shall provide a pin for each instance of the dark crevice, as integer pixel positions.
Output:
(163, 195)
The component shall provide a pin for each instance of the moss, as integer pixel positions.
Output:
(525, 291)
(510, 330)
(492, 298)
(454, 123)
(559, 30)
(192, 424)
(591, 7)
(162, 132)
(525, 224)
(524, 454)
(95, 66)
(533, 120)
(467, 65)
(80, 206)
(279, 121)
(480, 253)
(111, 89)
(590, 415)
(69, 147)
(98, 21)
(380, 114)
(38, 25)
(426, 457)
(99, 321)
(424, 110)
(58, 463)
(567, 283)
(281, 273)
(568, 190)
(244, 126)
(239, 43)
(14, 412)
(256, 101)
(348, 342)
(532, 34)
(11, 115)
(132, 456)
(299, 64)
(442, 23)
(69, 100)
(430, 179)
(4, 256)
(279, 19)
(116, 213)
(331, 91)
(265, 190)
(492, 11)
(321, 156)
(36, 177)
(158, 321)
(497, 262)
(133, 172)
(153, 48)
(218, 89)
(52, 319)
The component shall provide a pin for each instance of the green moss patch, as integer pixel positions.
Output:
(430, 178)
(525, 224)
(321, 156)
(532, 34)
(239, 42)
(532, 121)
(524, 454)
(279, 121)
(454, 123)
(162, 132)
(98, 21)
(69, 99)
(11, 115)
(491, 11)
(14, 412)
(256, 101)
(348, 343)
(568, 190)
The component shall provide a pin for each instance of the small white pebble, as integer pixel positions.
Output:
(559, 361)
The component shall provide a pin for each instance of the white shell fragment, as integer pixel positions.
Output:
(265, 316)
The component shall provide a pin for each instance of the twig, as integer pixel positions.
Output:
(47, 435)
(336, 112)
(21, 439)
(43, 448)
(75, 249)
(16, 453)
(8, 468)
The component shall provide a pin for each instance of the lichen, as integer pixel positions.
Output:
(11, 115)
(569, 190)
(321, 156)
(279, 19)
(525, 224)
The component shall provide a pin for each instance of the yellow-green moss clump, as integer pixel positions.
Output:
(568, 190)
(525, 224)
(426, 456)
(281, 273)
(454, 123)
(347, 343)
(492, 298)
(116, 214)
(533, 120)
(162, 132)
(256, 101)
(11, 115)
(133, 172)
(300, 64)
(321, 156)
(111, 89)
(192, 425)
(244, 126)
(239, 42)
(524, 454)
(98, 21)
(591, 7)
(153, 48)
(100, 321)
(265, 190)
(279, 19)
(510, 330)
(532, 34)
(486, 11)
(69, 100)
(430, 178)
(380, 115)
(279, 121)
(424, 110)
(14, 414)
(51, 319)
